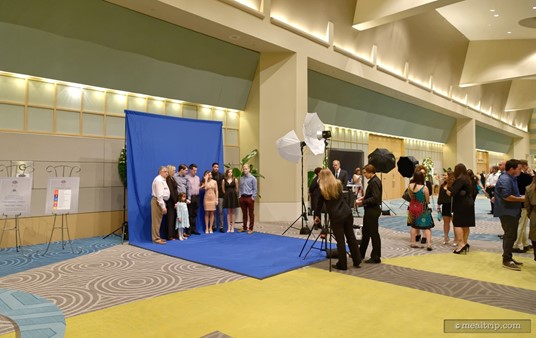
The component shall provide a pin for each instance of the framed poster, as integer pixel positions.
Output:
(15, 196)
(62, 195)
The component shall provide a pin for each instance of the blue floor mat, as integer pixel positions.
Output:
(258, 255)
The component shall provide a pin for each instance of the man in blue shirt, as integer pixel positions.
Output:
(248, 192)
(508, 203)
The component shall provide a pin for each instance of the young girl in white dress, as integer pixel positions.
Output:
(182, 216)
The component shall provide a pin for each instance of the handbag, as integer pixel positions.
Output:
(405, 196)
(429, 212)
(439, 215)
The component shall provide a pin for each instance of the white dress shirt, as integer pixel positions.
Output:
(160, 191)
(492, 179)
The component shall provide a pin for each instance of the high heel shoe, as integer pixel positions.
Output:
(464, 249)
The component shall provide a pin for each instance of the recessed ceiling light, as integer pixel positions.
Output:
(495, 15)
(492, 10)
(509, 32)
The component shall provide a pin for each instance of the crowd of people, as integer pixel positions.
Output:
(176, 199)
(506, 185)
(510, 186)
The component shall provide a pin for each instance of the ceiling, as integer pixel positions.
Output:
(492, 19)
(493, 57)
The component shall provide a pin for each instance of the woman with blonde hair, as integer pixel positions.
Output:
(340, 217)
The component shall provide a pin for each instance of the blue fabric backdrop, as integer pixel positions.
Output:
(155, 140)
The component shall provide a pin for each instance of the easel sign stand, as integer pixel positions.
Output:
(16, 228)
(62, 199)
(15, 198)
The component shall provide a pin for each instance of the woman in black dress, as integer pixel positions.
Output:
(229, 186)
(340, 217)
(463, 206)
(170, 204)
(444, 206)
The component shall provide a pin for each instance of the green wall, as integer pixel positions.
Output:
(97, 43)
(344, 104)
(492, 141)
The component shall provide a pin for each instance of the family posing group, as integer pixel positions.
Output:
(175, 197)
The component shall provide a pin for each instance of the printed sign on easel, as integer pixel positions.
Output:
(15, 196)
(62, 195)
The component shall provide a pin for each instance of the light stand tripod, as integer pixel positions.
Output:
(383, 202)
(304, 230)
(326, 231)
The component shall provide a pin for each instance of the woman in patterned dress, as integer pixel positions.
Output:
(419, 215)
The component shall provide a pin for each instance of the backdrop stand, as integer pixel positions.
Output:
(124, 226)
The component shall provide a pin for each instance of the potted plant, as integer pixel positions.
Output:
(122, 166)
(237, 171)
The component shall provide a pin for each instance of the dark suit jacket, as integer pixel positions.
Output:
(173, 194)
(343, 177)
(218, 177)
(373, 194)
(337, 209)
(314, 190)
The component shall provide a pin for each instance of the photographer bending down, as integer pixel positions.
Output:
(340, 216)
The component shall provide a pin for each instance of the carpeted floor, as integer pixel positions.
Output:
(125, 291)
(308, 302)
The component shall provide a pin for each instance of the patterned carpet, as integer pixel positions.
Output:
(110, 277)
(122, 273)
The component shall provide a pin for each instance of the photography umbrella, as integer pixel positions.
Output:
(406, 165)
(289, 147)
(382, 159)
(311, 126)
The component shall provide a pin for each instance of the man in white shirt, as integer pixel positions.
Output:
(491, 180)
(160, 194)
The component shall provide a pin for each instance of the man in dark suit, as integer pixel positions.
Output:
(372, 203)
(340, 174)
(218, 177)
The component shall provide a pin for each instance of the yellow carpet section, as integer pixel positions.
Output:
(477, 265)
(303, 303)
